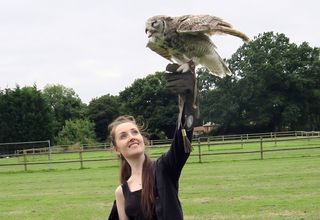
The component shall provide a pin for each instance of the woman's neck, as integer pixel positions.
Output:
(136, 165)
(135, 180)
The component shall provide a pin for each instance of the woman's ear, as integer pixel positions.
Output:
(116, 150)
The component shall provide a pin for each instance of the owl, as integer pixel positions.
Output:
(186, 39)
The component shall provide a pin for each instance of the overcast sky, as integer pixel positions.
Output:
(98, 47)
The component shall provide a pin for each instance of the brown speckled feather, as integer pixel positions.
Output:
(209, 25)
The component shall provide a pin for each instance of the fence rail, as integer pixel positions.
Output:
(203, 147)
(247, 136)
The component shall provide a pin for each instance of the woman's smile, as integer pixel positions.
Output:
(134, 144)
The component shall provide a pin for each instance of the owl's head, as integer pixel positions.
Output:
(155, 26)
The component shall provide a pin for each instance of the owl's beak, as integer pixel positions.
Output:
(148, 32)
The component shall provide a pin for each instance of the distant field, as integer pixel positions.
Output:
(285, 185)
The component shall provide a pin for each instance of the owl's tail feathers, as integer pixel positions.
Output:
(234, 32)
(215, 64)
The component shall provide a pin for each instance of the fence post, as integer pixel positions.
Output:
(241, 142)
(261, 149)
(81, 161)
(275, 139)
(25, 160)
(208, 141)
(49, 150)
(199, 149)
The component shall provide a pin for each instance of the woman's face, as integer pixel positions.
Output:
(128, 140)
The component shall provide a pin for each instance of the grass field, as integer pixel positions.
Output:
(285, 185)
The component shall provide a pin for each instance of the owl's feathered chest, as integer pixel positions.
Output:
(170, 40)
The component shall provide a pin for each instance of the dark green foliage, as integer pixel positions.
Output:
(103, 111)
(24, 115)
(65, 103)
(77, 131)
(153, 104)
(274, 86)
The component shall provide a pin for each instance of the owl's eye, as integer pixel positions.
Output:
(154, 23)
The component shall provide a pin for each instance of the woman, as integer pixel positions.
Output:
(148, 189)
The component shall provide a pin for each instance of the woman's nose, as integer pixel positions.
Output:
(131, 136)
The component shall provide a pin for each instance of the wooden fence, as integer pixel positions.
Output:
(203, 147)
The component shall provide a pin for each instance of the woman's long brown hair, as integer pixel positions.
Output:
(148, 183)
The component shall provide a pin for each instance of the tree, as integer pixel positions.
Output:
(65, 103)
(218, 101)
(24, 115)
(277, 83)
(151, 102)
(102, 111)
(76, 131)
(274, 86)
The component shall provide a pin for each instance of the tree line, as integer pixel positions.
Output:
(274, 86)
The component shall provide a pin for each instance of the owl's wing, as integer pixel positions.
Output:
(159, 50)
(207, 24)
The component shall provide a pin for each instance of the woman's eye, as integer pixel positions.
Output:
(135, 132)
(123, 136)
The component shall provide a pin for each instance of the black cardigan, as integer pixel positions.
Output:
(167, 173)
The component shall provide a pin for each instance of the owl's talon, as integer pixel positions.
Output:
(184, 68)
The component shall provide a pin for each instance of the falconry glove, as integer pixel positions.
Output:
(179, 83)
(183, 84)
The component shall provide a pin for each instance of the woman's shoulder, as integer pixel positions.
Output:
(119, 191)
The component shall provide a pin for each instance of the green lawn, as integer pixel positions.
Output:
(285, 185)
(286, 188)
(253, 189)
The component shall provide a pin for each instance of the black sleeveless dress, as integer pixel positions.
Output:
(133, 203)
